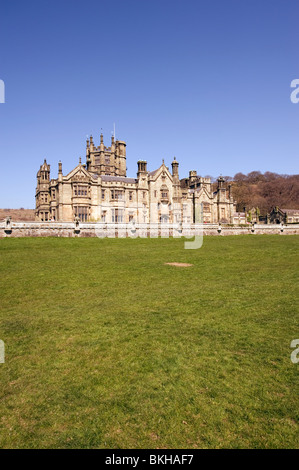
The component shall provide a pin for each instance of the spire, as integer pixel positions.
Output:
(91, 143)
(112, 146)
(102, 148)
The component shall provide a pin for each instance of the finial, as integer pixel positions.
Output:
(163, 161)
(79, 160)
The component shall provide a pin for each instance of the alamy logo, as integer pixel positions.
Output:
(295, 353)
(2, 352)
(295, 94)
(2, 92)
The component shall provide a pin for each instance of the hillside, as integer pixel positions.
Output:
(265, 191)
(18, 214)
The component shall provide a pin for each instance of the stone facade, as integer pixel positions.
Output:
(278, 216)
(100, 191)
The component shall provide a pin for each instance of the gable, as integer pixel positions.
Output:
(204, 195)
(79, 174)
(161, 173)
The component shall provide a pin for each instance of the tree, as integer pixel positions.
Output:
(239, 177)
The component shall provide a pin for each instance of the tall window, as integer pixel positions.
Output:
(116, 194)
(80, 190)
(117, 215)
(103, 193)
(81, 212)
(206, 207)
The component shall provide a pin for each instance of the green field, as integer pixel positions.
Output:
(108, 347)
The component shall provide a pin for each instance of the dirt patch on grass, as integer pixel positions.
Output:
(180, 265)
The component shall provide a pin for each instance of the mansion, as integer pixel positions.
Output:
(100, 191)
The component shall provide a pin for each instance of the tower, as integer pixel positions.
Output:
(222, 209)
(106, 160)
(42, 194)
(121, 157)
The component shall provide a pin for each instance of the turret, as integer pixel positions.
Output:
(42, 192)
(175, 168)
(221, 183)
(91, 144)
(142, 168)
(122, 158)
(101, 143)
(59, 171)
(112, 160)
(192, 176)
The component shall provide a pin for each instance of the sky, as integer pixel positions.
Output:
(207, 81)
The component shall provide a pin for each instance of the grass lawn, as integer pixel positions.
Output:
(107, 347)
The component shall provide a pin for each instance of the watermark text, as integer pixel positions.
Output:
(295, 353)
(295, 93)
(2, 91)
(2, 352)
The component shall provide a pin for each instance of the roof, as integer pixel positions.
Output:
(291, 211)
(120, 179)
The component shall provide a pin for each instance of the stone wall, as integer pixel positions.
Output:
(9, 228)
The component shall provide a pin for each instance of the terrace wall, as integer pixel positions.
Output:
(69, 229)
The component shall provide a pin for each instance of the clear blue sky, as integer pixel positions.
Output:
(206, 81)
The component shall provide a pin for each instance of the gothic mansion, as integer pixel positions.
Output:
(100, 191)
